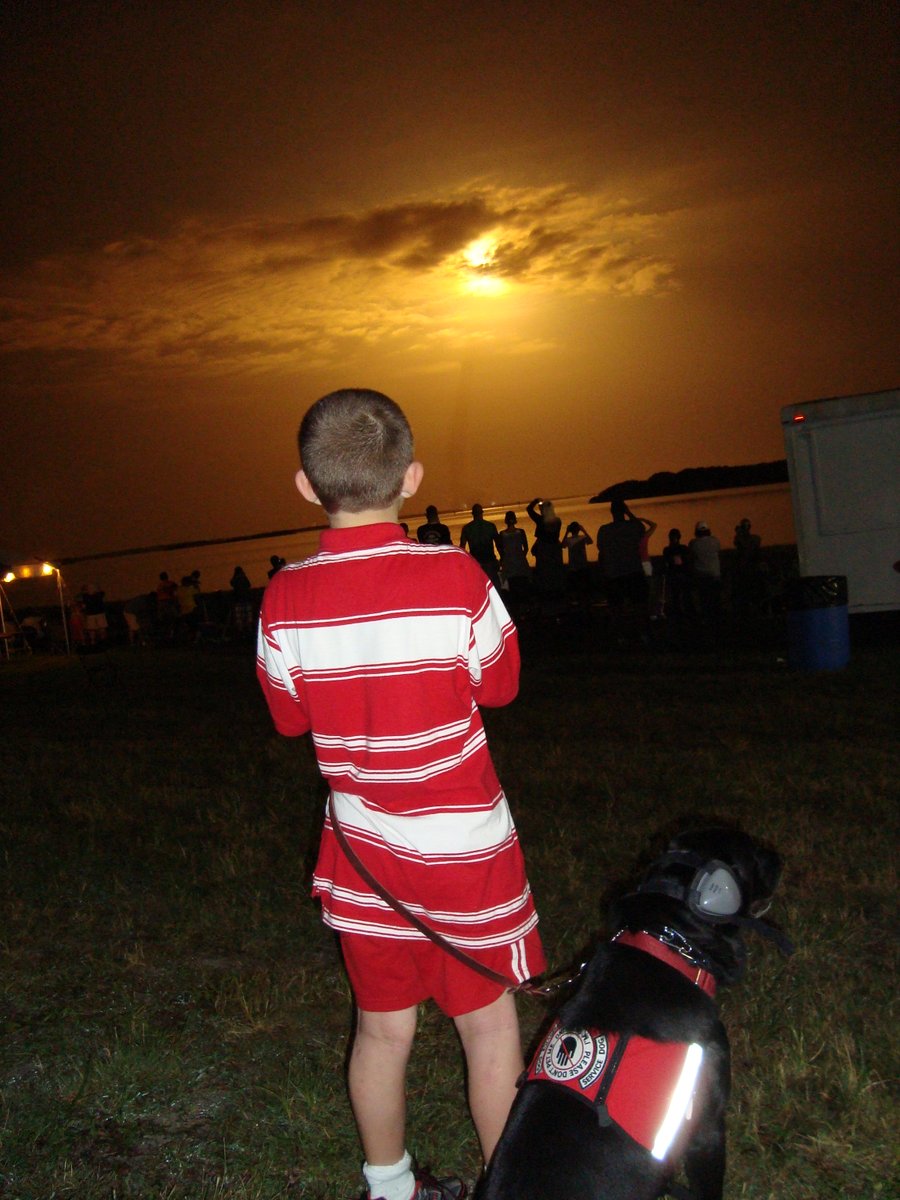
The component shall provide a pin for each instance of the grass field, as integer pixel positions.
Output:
(173, 1015)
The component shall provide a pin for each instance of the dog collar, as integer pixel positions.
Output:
(652, 945)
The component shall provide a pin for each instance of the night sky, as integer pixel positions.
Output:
(578, 242)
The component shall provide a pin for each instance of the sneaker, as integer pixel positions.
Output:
(429, 1188)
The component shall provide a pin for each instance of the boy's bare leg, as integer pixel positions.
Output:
(377, 1082)
(493, 1049)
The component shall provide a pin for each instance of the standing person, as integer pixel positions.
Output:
(76, 619)
(676, 577)
(748, 583)
(549, 570)
(392, 705)
(188, 600)
(434, 532)
(653, 585)
(576, 542)
(131, 612)
(94, 608)
(242, 599)
(650, 528)
(706, 570)
(621, 568)
(276, 562)
(166, 604)
(481, 539)
(514, 558)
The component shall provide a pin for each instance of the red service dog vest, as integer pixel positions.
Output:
(645, 1087)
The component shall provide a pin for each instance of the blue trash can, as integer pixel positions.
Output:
(818, 624)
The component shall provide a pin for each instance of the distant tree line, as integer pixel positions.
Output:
(695, 479)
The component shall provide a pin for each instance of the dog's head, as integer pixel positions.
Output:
(721, 874)
(711, 885)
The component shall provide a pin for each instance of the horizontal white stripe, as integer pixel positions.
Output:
(372, 552)
(396, 640)
(406, 932)
(410, 612)
(411, 741)
(427, 804)
(392, 670)
(430, 834)
(357, 899)
(332, 767)
(469, 859)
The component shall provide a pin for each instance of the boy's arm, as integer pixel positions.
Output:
(493, 652)
(283, 690)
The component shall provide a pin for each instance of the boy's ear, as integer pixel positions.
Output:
(412, 479)
(305, 488)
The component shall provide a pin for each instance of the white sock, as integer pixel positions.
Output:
(391, 1183)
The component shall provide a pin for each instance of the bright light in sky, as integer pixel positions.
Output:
(480, 258)
(485, 285)
(480, 254)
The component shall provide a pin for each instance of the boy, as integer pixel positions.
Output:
(384, 649)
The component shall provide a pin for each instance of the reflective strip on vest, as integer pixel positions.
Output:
(651, 1094)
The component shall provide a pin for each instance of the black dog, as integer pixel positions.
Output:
(633, 1076)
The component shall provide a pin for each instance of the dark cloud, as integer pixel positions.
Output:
(423, 234)
(211, 291)
(515, 259)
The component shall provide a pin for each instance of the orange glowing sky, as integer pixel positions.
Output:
(577, 242)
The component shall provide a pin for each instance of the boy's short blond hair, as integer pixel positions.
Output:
(355, 446)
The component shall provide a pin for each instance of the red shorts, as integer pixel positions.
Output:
(390, 974)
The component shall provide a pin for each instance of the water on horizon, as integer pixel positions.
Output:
(768, 507)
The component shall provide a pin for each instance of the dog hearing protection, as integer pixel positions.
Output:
(713, 893)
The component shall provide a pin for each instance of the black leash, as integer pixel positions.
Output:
(532, 989)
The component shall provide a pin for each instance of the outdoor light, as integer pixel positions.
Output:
(33, 570)
(29, 571)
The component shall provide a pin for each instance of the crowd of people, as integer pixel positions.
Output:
(172, 611)
(683, 583)
(547, 574)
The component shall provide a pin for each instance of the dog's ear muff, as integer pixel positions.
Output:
(714, 892)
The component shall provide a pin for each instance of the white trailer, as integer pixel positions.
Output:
(843, 456)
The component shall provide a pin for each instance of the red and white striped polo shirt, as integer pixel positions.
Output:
(384, 649)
